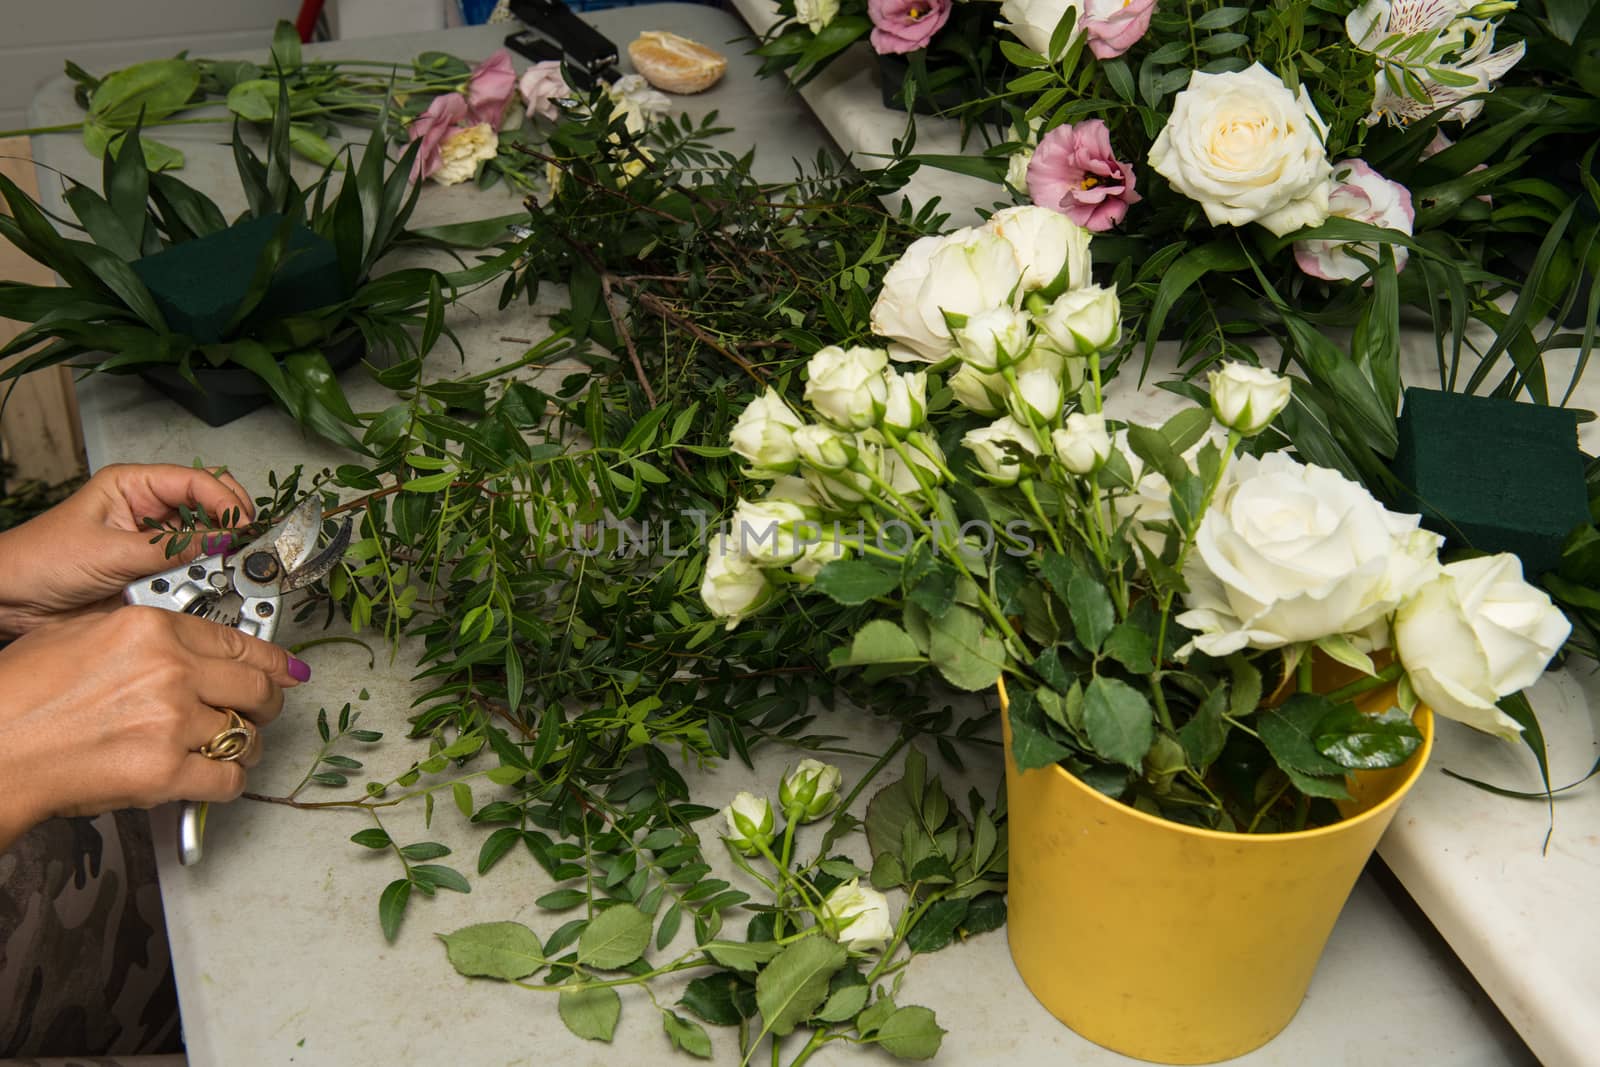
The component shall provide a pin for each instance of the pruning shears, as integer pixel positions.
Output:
(243, 589)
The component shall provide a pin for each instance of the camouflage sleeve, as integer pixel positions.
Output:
(84, 965)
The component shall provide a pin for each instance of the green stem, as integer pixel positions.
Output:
(783, 868)
(819, 1037)
(1303, 680)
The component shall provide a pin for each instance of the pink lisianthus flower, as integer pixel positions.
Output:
(1114, 26)
(490, 87)
(1074, 172)
(447, 114)
(542, 87)
(900, 26)
(1362, 194)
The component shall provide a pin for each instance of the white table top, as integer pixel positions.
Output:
(275, 938)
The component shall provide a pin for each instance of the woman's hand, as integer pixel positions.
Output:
(82, 552)
(109, 711)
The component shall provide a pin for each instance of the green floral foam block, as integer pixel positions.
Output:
(1491, 474)
(199, 284)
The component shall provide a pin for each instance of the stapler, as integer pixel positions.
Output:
(554, 31)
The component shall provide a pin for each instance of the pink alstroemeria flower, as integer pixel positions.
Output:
(447, 114)
(1074, 172)
(900, 26)
(1114, 26)
(490, 87)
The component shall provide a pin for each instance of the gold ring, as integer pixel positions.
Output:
(233, 742)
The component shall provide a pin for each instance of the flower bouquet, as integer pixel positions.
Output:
(1263, 174)
(1213, 656)
(1157, 594)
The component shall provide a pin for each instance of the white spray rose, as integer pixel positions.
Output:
(764, 435)
(1083, 444)
(751, 825)
(1246, 149)
(1474, 634)
(1017, 169)
(1048, 245)
(906, 404)
(816, 14)
(846, 385)
(962, 273)
(809, 791)
(1246, 398)
(1033, 21)
(858, 917)
(1083, 321)
(824, 448)
(976, 391)
(794, 491)
(994, 338)
(1037, 397)
(925, 455)
(766, 532)
(818, 554)
(1290, 553)
(733, 586)
(988, 445)
(462, 151)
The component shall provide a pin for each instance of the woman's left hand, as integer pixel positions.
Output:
(81, 553)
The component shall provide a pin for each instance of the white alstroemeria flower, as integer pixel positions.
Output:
(1461, 45)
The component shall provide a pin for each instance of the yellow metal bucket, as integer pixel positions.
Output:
(1170, 943)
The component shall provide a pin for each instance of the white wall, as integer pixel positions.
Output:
(37, 36)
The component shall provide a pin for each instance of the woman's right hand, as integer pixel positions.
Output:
(109, 711)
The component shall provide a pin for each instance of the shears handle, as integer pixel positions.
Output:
(192, 588)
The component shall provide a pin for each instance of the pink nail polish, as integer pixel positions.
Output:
(217, 544)
(299, 670)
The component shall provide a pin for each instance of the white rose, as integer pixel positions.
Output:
(858, 917)
(1033, 21)
(462, 151)
(906, 405)
(994, 338)
(1017, 169)
(961, 273)
(925, 456)
(733, 586)
(1474, 634)
(1083, 444)
(809, 791)
(1037, 397)
(816, 14)
(1290, 553)
(1246, 398)
(989, 445)
(1050, 247)
(766, 532)
(795, 491)
(1362, 194)
(1247, 150)
(1149, 502)
(838, 490)
(824, 448)
(976, 391)
(1081, 322)
(846, 385)
(818, 554)
(764, 435)
(751, 825)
